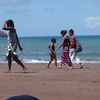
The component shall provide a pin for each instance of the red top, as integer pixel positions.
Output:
(73, 42)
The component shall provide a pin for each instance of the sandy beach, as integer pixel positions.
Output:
(51, 84)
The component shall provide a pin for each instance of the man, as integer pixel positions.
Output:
(73, 53)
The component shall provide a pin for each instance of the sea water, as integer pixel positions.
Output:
(35, 49)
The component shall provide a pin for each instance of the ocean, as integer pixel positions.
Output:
(35, 49)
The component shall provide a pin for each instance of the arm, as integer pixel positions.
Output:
(51, 48)
(19, 43)
(5, 27)
(73, 41)
(61, 44)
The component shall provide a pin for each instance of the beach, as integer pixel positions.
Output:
(51, 84)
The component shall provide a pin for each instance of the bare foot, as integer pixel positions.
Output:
(59, 67)
(47, 66)
(9, 71)
(81, 67)
(70, 67)
(24, 70)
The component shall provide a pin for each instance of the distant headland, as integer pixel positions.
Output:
(2, 34)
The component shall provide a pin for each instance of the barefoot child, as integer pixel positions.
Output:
(13, 43)
(52, 52)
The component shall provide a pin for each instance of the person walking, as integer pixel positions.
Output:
(13, 43)
(65, 59)
(73, 53)
(52, 52)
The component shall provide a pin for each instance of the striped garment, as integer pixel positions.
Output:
(12, 41)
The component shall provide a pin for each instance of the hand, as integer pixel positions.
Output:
(20, 48)
(57, 50)
(54, 52)
(4, 25)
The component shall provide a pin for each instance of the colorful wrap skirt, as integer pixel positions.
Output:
(65, 59)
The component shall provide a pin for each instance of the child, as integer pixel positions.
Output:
(13, 43)
(52, 52)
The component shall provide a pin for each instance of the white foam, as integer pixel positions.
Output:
(34, 61)
(43, 61)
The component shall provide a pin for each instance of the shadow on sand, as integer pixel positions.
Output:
(23, 97)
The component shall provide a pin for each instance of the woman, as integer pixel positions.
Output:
(65, 59)
(13, 43)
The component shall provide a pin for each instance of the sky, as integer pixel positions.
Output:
(49, 17)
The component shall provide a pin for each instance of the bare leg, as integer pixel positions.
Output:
(51, 59)
(60, 66)
(70, 65)
(15, 58)
(81, 65)
(49, 63)
(55, 59)
(55, 62)
(9, 62)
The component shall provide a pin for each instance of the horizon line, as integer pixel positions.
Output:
(56, 35)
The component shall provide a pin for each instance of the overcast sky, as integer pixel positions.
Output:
(49, 17)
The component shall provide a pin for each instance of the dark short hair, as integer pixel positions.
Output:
(53, 40)
(72, 31)
(63, 31)
(10, 21)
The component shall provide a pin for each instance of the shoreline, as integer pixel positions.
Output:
(45, 62)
